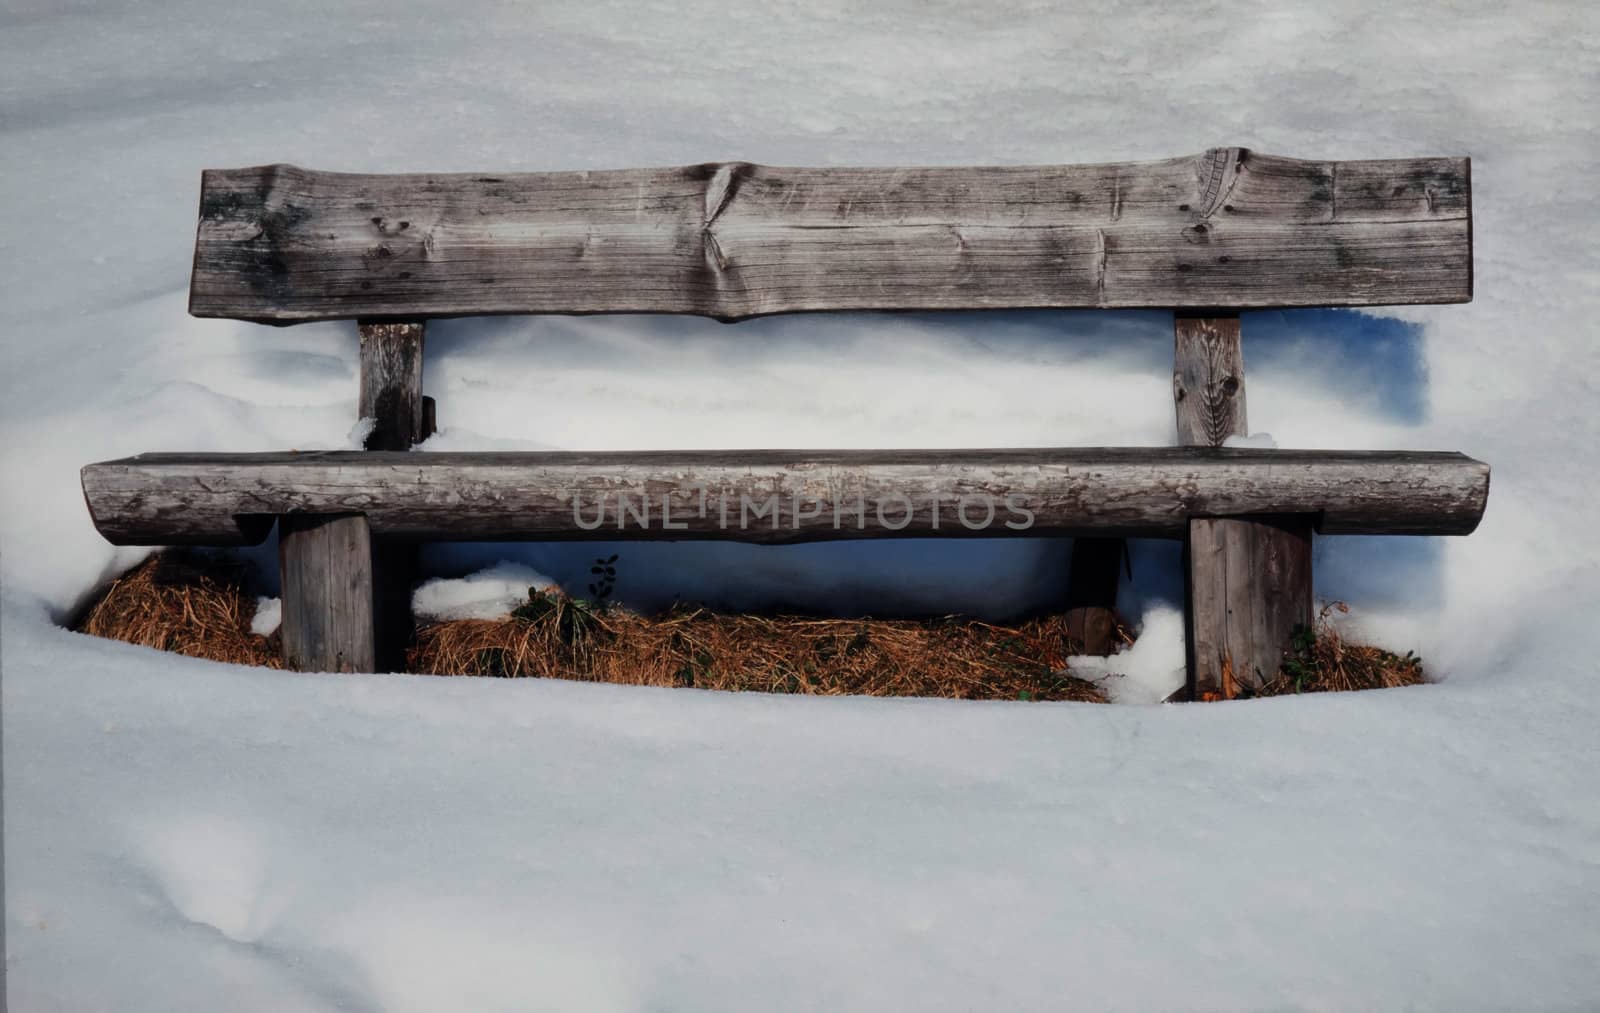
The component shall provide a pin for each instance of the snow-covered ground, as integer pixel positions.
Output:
(183, 835)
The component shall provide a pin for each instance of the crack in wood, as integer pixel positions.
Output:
(1224, 175)
(1100, 264)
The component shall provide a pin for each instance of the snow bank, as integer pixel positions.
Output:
(183, 835)
(186, 835)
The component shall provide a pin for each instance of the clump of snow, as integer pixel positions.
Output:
(269, 613)
(1258, 441)
(1147, 671)
(356, 438)
(490, 593)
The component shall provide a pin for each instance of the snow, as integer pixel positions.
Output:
(1259, 441)
(180, 834)
(1150, 669)
(269, 614)
(184, 835)
(491, 593)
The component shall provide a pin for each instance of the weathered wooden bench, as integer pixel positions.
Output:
(1206, 236)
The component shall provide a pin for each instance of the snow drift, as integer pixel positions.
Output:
(183, 835)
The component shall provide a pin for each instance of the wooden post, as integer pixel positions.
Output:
(391, 384)
(1247, 579)
(1208, 379)
(430, 417)
(347, 595)
(1250, 586)
(1092, 578)
(325, 561)
(391, 395)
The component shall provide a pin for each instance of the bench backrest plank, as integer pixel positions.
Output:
(1229, 228)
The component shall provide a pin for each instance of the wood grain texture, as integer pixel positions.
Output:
(391, 396)
(391, 384)
(1247, 579)
(326, 567)
(1208, 380)
(1228, 227)
(219, 499)
(1249, 587)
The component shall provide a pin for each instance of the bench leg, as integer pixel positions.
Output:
(1092, 578)
(329, 607)
(391, 395)
(1249, 586)
(1247, 580)
(395, 568)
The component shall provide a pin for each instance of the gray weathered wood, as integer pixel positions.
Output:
(1248, 579)
(1209, 402)
(391, 396)
(391, 384)
(1228, 227)
(164, 499)
(1208, 379)
(1249, 587)
(326, 565)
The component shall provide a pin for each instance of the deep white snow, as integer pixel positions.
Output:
(183, 835)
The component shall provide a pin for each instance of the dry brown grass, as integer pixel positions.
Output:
(1324, 661)
(947, 657)
(185, 603)
(199, 605)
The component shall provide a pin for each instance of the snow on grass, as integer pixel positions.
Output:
(184, 835)
(490, 593)
(1150, 669)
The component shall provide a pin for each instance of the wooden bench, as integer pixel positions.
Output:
(1206, 236)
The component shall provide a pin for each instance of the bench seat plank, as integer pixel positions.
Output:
(1228, 227)
(775, 496)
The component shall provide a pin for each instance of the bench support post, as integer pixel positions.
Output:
(326, 567)
(1247, 579)
(391, 384)
(391, 395)
(346, 594)
(1249, 584)
(1092, 578)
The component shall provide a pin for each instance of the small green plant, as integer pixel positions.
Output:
(575, 618)
(1301, 662)
(492, 661)
(538, 605)
(1320, 659)
(605, 571)
(697, 667)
